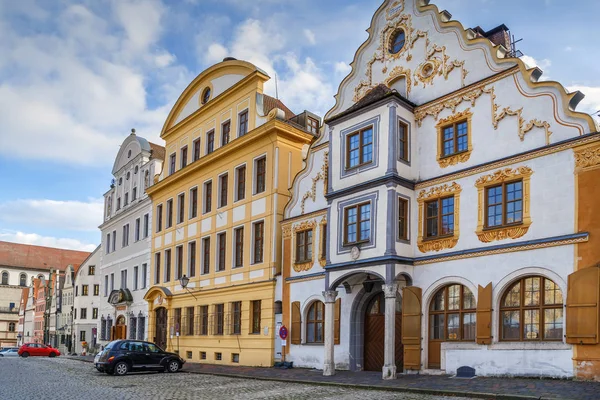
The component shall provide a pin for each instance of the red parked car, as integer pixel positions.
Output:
(38, 349)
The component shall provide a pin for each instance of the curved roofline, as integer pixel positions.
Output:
(201, 76)
(144, 145)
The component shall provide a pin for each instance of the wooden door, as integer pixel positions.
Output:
(374, 334)
(161, 327)
(399, 348)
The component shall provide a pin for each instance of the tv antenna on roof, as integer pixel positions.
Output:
(513, 48)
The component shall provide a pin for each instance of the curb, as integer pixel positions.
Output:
(80, 359)
(437, 392)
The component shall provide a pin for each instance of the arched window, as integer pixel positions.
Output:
(397, 42)
(452, 314)
(11, 326)
(5, 278)
(40, 276)
(532, 309)
(23, 280)
(315, 321)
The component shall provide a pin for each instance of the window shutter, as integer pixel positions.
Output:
(296, 323)
(582, 306)
(113, 330)
(336, 329)
(411, 327)
(484, 314)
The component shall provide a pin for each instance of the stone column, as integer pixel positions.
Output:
(389, 366)
(329, 361)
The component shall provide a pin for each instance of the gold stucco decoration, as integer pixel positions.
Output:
(487, 235)
(458, 157)
(432, 194)
(587, 157)
(304, 226)
(322, 175)
(322, 233)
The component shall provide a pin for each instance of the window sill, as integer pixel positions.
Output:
(437, 244)
(303, 266)
(487, 235)
(454, 159)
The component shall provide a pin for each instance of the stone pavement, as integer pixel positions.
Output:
(486, 388)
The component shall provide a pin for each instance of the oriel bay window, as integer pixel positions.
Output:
(304, 241)
(315, 322)
(359, 148)
(357, 223)
(532, 310)
(439, 217)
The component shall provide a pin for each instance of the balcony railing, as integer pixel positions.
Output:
(14, 310)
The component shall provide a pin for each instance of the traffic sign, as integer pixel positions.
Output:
(283, 332)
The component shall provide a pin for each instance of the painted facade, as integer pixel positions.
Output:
(125, 251)
(231, 155)
(87, 302)
(64, 316)
(448, 178)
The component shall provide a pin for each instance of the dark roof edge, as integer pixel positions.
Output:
(393, 93)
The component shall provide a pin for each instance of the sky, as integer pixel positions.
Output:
(76, 76)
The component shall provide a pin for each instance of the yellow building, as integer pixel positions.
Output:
(231, 155)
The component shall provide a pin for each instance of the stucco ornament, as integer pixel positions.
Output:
(321, 175)
(354, 253)
(587, 157)
(304, 226)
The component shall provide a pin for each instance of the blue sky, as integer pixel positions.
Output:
(76, 76)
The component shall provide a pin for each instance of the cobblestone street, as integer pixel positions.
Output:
(65, 379)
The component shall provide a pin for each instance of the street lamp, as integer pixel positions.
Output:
(183, 281)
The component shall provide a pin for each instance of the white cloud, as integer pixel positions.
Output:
(215, 53)
(591, 101)
(48, 241)
(164, 59)
(141, 22)
(532, 62)
(310, 36)
(341, 69)
(67, 215)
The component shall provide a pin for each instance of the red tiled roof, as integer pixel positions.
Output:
(38, 257)
(270, 103)
(158, 151)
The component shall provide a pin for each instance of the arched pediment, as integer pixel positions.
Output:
(216, 79)
(130, 148)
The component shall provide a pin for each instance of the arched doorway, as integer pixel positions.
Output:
(374, 334)
(160, 323)
(452, 313)
(119, 331)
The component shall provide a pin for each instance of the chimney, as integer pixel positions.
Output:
(497, 35)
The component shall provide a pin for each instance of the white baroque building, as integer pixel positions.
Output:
(125, 255)
(435, 224)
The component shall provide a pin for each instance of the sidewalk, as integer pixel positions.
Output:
(486, 388)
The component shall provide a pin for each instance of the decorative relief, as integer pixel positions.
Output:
(587, 157)
(395, 9)
(322, 233)
(487, 235)
(437, 192)
(286, 232)
(303, 226)
(458, 157)
(398, 72)
(322, 175)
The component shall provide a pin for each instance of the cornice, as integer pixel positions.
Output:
(384, 180)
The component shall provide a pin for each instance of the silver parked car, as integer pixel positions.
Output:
(96, 359)
(10, 352)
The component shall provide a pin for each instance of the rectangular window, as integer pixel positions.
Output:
(114, 240)
(144, 275)
(208, 197)
(193, 203)
(206, 255)
(169, 213)
(403, 148)
(236, 311)
(235, 357)
(455, 138)
(304, 242)
(184, 157)
(240, 183)
(136, 277)
(172, 164)
(324, 242)
(204, 320)
(83, 314)
(439, 217)
(126, 199)
(125, 239)
(177, 319)
(92, 270)
(105, 285)
(159, 217)
(210, 142)
(82, 335)
(218, 356)
(359, 148)
(189, 313)
(255, 320)
(504, 204)
(136, 232)
(219, 317)
(223, 180)
(312, 126)
(225, 129)
(196, 145)
(118, 203)
(156, 268)
(84, 290)
(203, 355)
(180, 208)
(124, 279)
(146, 225)
(96, 289)
(260, 168)
(167, 274)
(134, 194)
(178, 262)
(243, 123)
(94, 313)
(222, 243)
(402, 219)
(107, 243)
(191, 259)
(357, 223)
(259, 242)
(239, 247)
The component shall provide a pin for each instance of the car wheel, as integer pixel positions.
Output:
(173, 366)
(120, 369)
(25, 354)
(52, 355)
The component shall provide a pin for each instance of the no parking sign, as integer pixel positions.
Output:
(283, 333)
